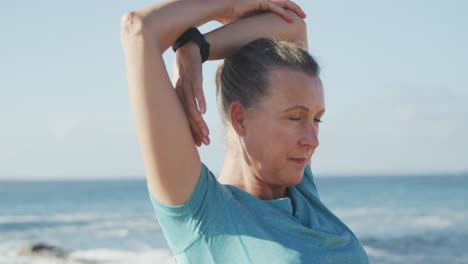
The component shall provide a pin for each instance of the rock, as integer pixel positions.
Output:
(42, 249)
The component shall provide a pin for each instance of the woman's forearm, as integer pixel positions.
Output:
(227, 39)
(165, 22)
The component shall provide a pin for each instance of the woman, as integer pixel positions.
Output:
(264, 208)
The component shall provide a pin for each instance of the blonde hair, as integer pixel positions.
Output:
(244, 76)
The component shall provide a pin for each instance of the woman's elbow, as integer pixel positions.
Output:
(131, 24)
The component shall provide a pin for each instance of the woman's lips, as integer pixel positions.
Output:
(300, 161)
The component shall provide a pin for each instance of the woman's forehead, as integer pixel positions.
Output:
(293, 89)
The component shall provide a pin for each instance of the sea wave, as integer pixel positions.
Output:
(375, 252)
(359, 212)
(429, 248)
(120, 256)
(432, 221)
(90, 230)
(401, 221)
(95, 256)
(56, 217)
(73, 222)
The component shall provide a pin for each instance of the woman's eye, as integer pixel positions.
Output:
(294, 118)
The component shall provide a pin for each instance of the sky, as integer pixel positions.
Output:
(394, 73)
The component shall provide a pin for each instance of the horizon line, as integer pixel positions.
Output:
(316, 175)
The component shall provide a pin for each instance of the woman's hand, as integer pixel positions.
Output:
(242, 8)
(189, 90)
(189, 77)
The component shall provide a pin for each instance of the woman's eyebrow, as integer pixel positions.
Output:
(297, 107)
(302, 108)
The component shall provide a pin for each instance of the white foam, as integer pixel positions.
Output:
(18, 219)
(66, 218)
(358, 212)
(108, 256)
(113, 225)
(374, 252)
(35, 260)
(432, 222)
(162, 256)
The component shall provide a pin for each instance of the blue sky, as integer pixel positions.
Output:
(394, 73)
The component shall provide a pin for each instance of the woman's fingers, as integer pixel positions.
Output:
(275, 8)
(180, 93)
(197, 84)
(193, 129)
(243, 8)
(190, 84)
(281, 7)
(195, 91)
(194, 115)
(290, 5)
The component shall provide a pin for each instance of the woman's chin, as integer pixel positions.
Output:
(294, 179)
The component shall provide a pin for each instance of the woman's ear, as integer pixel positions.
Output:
(237, 117)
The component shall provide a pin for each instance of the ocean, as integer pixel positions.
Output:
(398, 219)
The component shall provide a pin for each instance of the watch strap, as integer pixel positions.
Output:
(193, 34)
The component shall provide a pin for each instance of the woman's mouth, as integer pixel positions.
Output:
(299, 161)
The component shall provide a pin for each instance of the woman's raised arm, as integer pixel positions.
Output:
(227, 39)
(171, 160)
(223, 42)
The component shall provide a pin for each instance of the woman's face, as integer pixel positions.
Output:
(282, 131)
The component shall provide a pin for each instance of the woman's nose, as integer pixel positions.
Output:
(309, 137)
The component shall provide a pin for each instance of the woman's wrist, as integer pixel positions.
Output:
(224, 9)
(189, 49)
(226, 12)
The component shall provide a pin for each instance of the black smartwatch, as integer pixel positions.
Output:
(192, 34)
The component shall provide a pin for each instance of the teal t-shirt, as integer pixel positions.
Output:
(224, 224)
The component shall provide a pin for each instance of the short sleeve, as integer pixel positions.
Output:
(182, 224)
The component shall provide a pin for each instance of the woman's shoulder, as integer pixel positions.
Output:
(208, 193)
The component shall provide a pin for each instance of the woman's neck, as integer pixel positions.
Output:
(232, 171)
(235, 172)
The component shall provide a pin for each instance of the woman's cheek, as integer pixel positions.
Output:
(285, 137)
